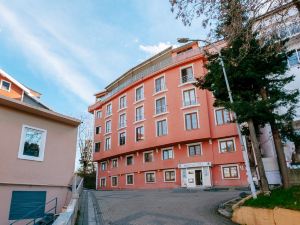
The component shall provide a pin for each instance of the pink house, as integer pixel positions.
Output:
(38, 148)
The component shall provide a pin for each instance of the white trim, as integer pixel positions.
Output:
(132, 178)
(119, 125)
(111, 178)
(132, 159)
(143, 98)
(101, 178)
(151, 151)
(182, 97)
(147, 182)
(103, 163)
(140, 121)
(226, 139)
(169, 148)
(121, 132)
(215, 115)
(192, 144)
(42, 146)
(108, 115)
(106, 149)
(105, 131)
(165, 84)
(166, 105)
(2, 85)
(166, 181)
(141, 125)
(184, 67)
(156, 121)
(124, 95)
(117, 162)
(231, 165)
(198, 119)
(139, 106)
(100, 114)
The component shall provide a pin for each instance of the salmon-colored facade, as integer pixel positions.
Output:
(155, 129)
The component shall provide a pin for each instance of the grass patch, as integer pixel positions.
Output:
(289, 199)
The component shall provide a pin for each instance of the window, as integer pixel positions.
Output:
(167, 154)
(139, 93)
(194, 149)
(230, 172)
(139, 132)
(122, 102)
(108, 126)
(191, 121)
(5, 85)
(114, 181)
(114, 163)
(103, 182)
(293, 59)
(187, 75)
(107, 143)
(32, 144)
(98, 114)
(227, 146)
(159, 84)
(103, 166)
(170, 175)
(161, 128)
(189, 97)
(122, 121)
(129, 179)
(97, 146)
(148, 156)
(129, 160)
(27, 205)
(109, 109)
(122, 138)
(98, 130)
(150, 177)
(160, 105)
(139, 113)
(222, 116)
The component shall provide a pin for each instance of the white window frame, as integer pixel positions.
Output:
(151, 151)
(147, 182)
(162, 153)
(166, 105)
(125, 122)
(105, 147)
(156, 121)
(132, 159)
(135, 128)
(198, 120)
(96, 114)
(112, 182)
(100, 129)
(189, 82)
(113, 164)
(215, 115)
(132, 178)
(22, 142)
(165, 86)
(135, 114)
(107, 115)
(182, 98)
(231, 165)
(95, 145)
(108, 132)
(192, 144)
(119, 133)
(169, 181)
(6, 82)
(123, 96)
(103, 163)
(102, 178)
(226, 139)
(142, 99)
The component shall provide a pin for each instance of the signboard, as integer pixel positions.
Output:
(197, 164)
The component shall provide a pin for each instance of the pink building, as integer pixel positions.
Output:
(155, 129)
(38, 149)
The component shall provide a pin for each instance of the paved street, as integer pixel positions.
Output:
(162, 207)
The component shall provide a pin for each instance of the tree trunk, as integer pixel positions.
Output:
(260, 166)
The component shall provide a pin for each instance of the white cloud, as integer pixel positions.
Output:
(154, 49)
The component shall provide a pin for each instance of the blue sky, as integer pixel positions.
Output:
(68, 50)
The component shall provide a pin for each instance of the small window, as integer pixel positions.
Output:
(222, 116)
(139, 94)
(122, 102)
(293, 59)
(230, 172)
(129, 160)
(227, 146)
(187, 75)
(114, 163)
(160, 105)
(167, 154)
(170, 176)
(98, 130)
(139, 113)
(122, 138)
(148, 156)
(32, 144)
(114, 181)
(109, 109)
(194, 150)
(97, 146)
(108, 126)
(159, 84)
(98, 114)
(5, 85)
(122, 121)
(161, 127)
(150, 177)
(129, 179)
(140, 133)
(103, 182)
(107, 143)
(191, 121)
(189, 97)
(103, 166)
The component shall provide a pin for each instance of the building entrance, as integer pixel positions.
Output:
(198, 177)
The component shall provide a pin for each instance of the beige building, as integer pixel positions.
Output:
(38, 148)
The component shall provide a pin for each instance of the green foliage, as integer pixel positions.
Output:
(285, 198)
(89, 181)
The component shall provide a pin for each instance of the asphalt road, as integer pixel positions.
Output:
(162, 207)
